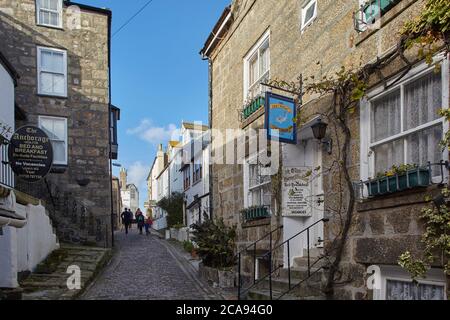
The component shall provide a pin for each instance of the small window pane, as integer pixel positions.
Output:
(46, 83)
(53, 4)
(54, 17)
(46, 60)
(423, 146)
(59, 151)
(310, 12)
(58, 84)
(389, 154)
(423, 99)
(264, 56)
(386, 119)
(253, 70)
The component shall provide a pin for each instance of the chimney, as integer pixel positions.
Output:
(123, 178)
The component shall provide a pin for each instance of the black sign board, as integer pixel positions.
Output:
(30, 153)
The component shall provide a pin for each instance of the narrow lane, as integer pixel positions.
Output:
(143, 269)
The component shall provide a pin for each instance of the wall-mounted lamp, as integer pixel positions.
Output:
(319, 131)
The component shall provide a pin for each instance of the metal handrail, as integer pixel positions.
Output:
(273, 270)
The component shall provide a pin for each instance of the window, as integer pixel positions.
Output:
(257, 185)
(309, 13)
(403, 123)
(197, 173)
(257, 68)
(56, 129)
(394, 283)
(187, 177)
(49, 13)
(52, 72)
(371, 11)
(407, 290)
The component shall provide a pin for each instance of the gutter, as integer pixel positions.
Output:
(204, 52)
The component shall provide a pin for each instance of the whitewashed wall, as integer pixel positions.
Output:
(23, 249)
(36, 240)
(7, 98)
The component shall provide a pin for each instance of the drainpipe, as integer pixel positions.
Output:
(109, 131)
(210, 97)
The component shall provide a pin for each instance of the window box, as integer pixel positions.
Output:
(376, 8)
(255, 213)
(419, 177)
(253, 106)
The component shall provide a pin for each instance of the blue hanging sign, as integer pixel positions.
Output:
(281, 114)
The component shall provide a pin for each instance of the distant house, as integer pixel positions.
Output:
(129, 193)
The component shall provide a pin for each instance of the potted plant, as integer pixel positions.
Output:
(216, 242)
(399, 178)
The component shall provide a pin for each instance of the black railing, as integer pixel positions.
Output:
(273, 270)
(6, 174)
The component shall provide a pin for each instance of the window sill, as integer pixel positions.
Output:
(255, 116)
(196, 183)
(388, 17)
(398, 199)
(50, 26)
(52, 96)
(58, 168)
(256, 223)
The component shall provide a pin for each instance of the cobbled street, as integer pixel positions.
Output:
(147, 268)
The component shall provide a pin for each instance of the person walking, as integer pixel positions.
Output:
(140, 220)
(127, 218)
(148, 225)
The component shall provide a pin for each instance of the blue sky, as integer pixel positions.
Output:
(158, 76)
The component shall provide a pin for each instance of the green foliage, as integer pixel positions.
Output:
(173, 205)
(399, 170)
(436, 240)
(188, 246)
(215, 243)
(428, 29)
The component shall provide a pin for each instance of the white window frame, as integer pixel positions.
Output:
(59, 11)
(248, 188)
(306, 6)
(395, 273)
(255, 51)
(39, 71)
(367, 154)
(66, 160)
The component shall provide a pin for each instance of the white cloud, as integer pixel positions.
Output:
(147, 131)
(137, 174)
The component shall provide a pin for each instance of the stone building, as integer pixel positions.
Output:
(117, 202)
(129, 193)
(397, 123)
(62, 51)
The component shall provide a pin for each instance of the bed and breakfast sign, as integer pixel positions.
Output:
(297, 192)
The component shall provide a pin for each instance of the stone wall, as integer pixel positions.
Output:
(86, 108)
(381, 230)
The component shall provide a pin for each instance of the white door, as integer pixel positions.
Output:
(306, 154)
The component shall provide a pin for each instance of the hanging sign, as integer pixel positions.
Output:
(281, 115)
(297, 192)
(30, 153)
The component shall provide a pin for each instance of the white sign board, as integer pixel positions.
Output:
(297, 192)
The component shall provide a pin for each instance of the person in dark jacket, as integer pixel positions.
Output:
(127, 218)
(140, 220)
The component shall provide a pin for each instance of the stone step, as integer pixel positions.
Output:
(51, 282)
(261, 294)
(301, 272)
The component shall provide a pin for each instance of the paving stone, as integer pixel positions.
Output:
(145, 268)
